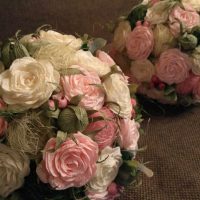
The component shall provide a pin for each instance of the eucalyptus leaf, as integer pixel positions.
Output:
(96, 44)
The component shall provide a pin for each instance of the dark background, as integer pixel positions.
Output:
(69, 16)
(173, 142)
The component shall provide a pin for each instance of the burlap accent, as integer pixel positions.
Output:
(174, 149)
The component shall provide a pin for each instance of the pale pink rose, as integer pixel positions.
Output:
(3, 122)
(152, 2)
(140, 42)
(93, 195)
(188, 17)
(196, 90)
(173, 66)
(73, 164)
(107, 128)
(187, 86)
(129, 134)
(104, 57)
(85, 84)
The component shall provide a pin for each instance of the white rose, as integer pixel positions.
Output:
(142, 70)
(196, 61)
(194, 3)
(107, 170)
(117, 91)
(86, 60)
(55, 37)
(14, 167)
(159, 12)
(28, 83)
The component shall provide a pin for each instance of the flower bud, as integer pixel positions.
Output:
(72, 119)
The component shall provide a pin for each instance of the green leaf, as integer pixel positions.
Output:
(71, 71)
(81, 115)
(61, 137)
(53, 113)
(133, 88)
(169, 89)
(138, 13)
(114, 70)
(76, 99)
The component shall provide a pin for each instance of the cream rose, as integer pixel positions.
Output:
(194, 3)
(142, 70)
(118, 92)
(159, 12)
(163, 39)
(106, 170)
(120, 35)
(86, 60)
(196, 61)
(28, 83)
(14, 167)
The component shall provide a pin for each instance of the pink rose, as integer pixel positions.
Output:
(140, 42)
(173, 66)
(3, 122)
(85, 84)
(187, 86)
(188, 17)
(129, 134)
(73, 164)
(196, 90)
(152, 2)
(104, 57)
(107, 128)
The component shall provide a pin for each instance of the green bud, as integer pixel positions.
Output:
(196, 33)
(126, 175)
(138, 13)
(188, 41)
(72, 119)
(11, 50)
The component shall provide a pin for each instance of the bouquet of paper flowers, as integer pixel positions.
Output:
(68, 123)
(158, 45)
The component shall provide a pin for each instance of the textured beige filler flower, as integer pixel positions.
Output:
(13, 168)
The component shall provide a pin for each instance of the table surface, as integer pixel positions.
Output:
(173, 142)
